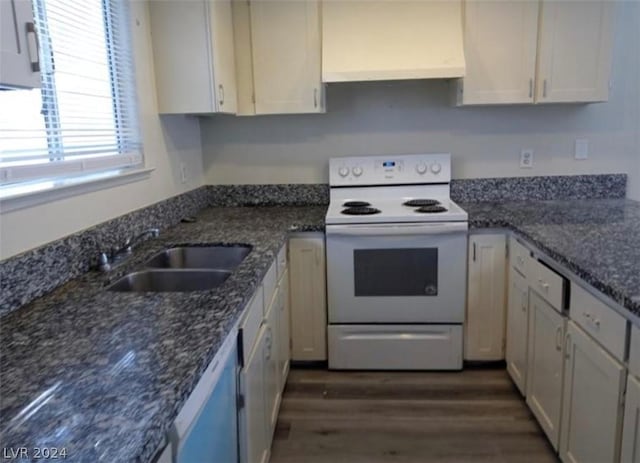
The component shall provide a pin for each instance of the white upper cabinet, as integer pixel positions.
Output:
(193, 56)
(500, 40)
(570, 40)
(19, 61)
(574, 55)
(286, 56)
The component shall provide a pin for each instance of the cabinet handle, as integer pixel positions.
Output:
(544, 285)
(34, 47)
(530, 88)
(544, 88)
(315, 97)
(221, 92)
(567, 346)
(559, 338)
(474, 252)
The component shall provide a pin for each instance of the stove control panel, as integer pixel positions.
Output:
(390, 170)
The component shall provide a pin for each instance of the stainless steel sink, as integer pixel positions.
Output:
(170, 280)
(200, 257)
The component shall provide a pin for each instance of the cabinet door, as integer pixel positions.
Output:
(222, 55)
(193, 56)
(284, 334)
(591, 414)
(19, 61)
(254, 444)
(517, 329)
(544, 365)
(575, 48)
(631, 428)
(285, 40)
(485, 323)
(271, 368)
(500, 40)
(308, 292)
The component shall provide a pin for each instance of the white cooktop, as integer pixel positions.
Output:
(386, 182)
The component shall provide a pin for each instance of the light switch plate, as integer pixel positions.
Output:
(582, 149)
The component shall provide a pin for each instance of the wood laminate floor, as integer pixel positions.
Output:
(369, 417)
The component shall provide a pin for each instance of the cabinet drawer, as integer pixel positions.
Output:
(269, 283)
(601, 322)
(251, 323)
(282, 261)
(634, 355)
(547, 283)
(518, 256)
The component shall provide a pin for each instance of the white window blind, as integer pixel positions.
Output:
(84, 118)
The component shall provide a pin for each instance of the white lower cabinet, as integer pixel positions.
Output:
(485, 321)
(255, 442)
(308, 292)
(517, 329)
(272, 367)
(544, 366)
(631, 430)
(284, 325)
(593, 385)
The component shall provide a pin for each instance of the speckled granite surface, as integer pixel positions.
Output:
(557, 187)
(598, 240)
(104, 374)
(269, 195)
(34, 273)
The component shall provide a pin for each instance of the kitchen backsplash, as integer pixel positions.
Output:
(34, 273)
(561, 187)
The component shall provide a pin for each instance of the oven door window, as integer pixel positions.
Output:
(396, 272)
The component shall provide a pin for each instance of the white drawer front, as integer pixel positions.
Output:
(269, 282)
(282, 261)
(601, 322)
(395, 347)
(634, 356)
(547, 283)
(251, 323)
(518, 256)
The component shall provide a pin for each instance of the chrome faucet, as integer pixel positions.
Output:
(117, 255)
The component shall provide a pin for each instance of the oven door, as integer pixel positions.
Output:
(404, 273)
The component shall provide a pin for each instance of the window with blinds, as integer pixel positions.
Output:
(84, 118)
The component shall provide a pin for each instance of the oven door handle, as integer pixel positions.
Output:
(398, 230)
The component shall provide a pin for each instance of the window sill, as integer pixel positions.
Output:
(15, 197)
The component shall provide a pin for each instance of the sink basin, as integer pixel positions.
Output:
(200, 257)
(170, 280)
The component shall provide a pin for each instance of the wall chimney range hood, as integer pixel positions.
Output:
(366, 40)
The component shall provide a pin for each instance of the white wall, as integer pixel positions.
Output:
(416, 116)
(167, 143)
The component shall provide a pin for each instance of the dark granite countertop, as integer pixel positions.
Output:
(598, 240)
(104, 374)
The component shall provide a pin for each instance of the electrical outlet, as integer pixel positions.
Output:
(526, 159)
(582, 149)
(183, 172)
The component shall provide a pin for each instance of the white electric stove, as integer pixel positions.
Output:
(396, 264)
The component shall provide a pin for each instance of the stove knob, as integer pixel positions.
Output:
(421, 168)
(357, 171)
(436, 167)
(343, 171)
